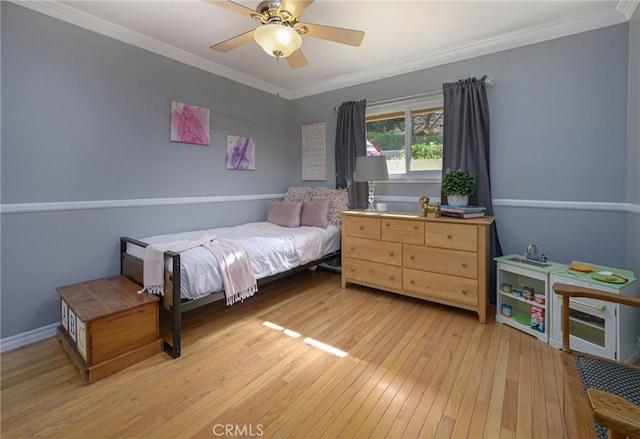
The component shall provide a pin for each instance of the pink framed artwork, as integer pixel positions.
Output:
(189, 124)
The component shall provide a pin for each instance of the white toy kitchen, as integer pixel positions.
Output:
(526, 301)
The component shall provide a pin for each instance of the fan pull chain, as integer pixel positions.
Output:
(277, 76)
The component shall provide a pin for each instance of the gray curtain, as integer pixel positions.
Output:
(466, 146)
(351, 136)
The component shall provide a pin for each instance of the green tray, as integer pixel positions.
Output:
(522, 319)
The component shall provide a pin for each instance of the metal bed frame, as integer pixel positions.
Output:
(172, 303)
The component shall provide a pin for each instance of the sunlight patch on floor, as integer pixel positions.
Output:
(325, 347)
(310, 341)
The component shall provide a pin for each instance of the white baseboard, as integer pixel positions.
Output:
(16, 341)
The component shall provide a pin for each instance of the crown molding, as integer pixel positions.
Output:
(628, 7)
(483, 47)
(622, 13)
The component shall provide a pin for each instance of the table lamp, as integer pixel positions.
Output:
(370, 169)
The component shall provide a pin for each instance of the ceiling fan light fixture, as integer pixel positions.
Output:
(277, 40)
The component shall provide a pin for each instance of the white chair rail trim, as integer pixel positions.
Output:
(536, 204)
(568, 205)
(141, 202)
(19, 208)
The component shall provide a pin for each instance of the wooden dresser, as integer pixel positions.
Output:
(444, 260)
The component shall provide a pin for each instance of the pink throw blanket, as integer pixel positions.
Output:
(153, 268)
(235, 268)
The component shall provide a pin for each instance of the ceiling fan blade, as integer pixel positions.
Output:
(297, 59)
(231, 6)
(294, 7)
(335, 34)
(234, 42)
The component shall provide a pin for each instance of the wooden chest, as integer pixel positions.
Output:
(106, 326)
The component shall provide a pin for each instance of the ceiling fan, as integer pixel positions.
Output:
(280, 32)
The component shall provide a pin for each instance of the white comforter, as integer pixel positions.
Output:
(273, 249)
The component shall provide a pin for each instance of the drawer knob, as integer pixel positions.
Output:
(415, 227)
(353, 269)
(392, 277)
(464, 265)
(391, 254)
(449, 236)
(352, 248)
(464, 291)
(361, 227)
(387, 225)
(412, 257)
(412, 282)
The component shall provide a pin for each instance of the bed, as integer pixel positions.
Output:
(302, 231)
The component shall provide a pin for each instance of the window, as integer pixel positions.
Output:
(408, 132)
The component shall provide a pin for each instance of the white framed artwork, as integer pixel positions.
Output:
(314, 154)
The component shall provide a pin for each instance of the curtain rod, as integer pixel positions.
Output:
(489, 82)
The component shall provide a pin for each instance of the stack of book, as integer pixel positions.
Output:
(463, 211)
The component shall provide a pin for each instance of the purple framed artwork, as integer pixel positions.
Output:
(241, 153)
(189, 124)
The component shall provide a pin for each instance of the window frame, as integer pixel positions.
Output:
(407, 105)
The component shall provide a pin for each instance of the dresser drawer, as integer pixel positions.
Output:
(440, 260)
(372, 273)
(361, 227)
(452, 236)
(409, 232)
(434, 286)
(371, 250)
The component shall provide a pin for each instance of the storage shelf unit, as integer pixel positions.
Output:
(520, 275)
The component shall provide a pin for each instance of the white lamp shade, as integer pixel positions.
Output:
(277, 40)
(371, 168)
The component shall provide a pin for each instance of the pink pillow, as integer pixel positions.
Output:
(315, 213)
(283, 213)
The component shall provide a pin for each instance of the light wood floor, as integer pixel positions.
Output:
(413, 369)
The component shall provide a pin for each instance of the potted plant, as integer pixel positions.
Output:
(457, 186)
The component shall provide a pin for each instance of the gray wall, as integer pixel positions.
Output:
(633, 168)
(86, 118)
(558, 142)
